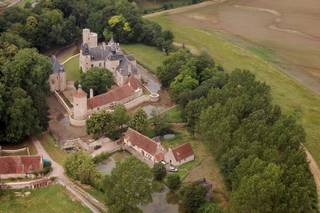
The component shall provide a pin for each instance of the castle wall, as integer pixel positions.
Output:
(80, 108)
(85, 62)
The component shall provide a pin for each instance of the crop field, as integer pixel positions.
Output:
(292, 96)
(287, 28)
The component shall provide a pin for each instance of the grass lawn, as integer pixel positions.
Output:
(204, 165)
(53, 199)
(72, 69)
(173, 115)
(52, 148)
(148, 57)
(290, 95)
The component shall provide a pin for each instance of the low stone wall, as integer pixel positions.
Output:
(62, 102)
(75, 122)
(136, 102)
(33, 184)
(9, 151)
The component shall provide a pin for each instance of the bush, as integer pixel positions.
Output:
(101, 157)
(193, 196)
(173, 182)
(80, 166)
(159, 171)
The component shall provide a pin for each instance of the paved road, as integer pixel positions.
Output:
(57, 171)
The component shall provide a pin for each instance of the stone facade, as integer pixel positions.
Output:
(107, 56)
(57, 79)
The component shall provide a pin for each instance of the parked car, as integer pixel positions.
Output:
(163, 162)
(173, 169)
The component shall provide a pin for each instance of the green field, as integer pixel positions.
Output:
(293, 97)
(53, 199)
(173, 115)
(72, 69)
(148, 57)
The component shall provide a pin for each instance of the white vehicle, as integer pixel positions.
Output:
(173, 169)
(163, 162)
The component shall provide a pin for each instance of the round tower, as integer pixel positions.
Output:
(80, 106)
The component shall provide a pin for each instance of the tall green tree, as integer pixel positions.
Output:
(139, 121)
(128, 186)
(98, 79)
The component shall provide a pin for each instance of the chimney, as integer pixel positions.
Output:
(91, 93)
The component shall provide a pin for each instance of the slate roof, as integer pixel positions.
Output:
(20, 164)
(182, 152)
(56, 66)
(141, 141)
(115, 95)
(102, 52)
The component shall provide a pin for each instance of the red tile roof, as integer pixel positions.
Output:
(20, 164)
(159, 156)
(80, 93)
(141, 141)
(182, 152)
(114, 95)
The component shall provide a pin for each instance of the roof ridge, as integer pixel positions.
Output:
(142, 135)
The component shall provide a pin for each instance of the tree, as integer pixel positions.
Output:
(102, 124)
(139, 121)
(159, 171)
(25, 89)
(98, 79)
(171, 66)
(129, 185)
(80, 166)
(159, 123)
(210, 208)
(173, 182)
(120, 116)
(193, 197)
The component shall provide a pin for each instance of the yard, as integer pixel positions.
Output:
(53, 199)
(148, 57)
(204, 165)
(72, 69)
(290, 95)
(52, 148)
(173, 115)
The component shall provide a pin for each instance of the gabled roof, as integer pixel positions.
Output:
(115, 95)
(182, 152)
(141, 141)
(20, 164)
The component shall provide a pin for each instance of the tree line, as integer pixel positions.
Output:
(257, 147)
(53, 23)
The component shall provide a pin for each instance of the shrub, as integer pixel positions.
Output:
(159, 171)
(173, 182)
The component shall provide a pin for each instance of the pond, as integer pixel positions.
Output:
(106, 166)
(161, 202)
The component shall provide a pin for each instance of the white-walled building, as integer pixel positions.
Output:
(179, 155)
(144, 146)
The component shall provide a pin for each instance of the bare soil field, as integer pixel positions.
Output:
(285, 30)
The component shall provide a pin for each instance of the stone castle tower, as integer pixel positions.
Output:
(80, 104)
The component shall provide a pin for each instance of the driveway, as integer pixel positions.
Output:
(58, 171)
